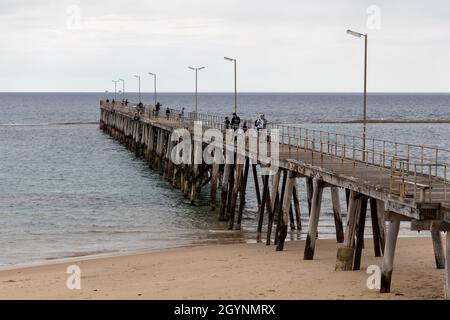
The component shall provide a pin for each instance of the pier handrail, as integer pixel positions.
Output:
(398, 149)
(408, 161)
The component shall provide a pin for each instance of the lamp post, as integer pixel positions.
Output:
(235, 82)
(359, 35)
(196, 77)
(123, 88)
(154, 84)
(139, 78)
(115, 89)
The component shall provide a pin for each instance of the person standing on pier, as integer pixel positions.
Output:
(157, 108)
(261, 122)
(246, 125)
(167, 113)
(235, 121)
(227, 123)
(140, 107)
(181, 115)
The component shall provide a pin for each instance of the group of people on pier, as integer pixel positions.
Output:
(234, 123)
(157, 110)
(123, 103)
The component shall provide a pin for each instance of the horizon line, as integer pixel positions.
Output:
(242, 92)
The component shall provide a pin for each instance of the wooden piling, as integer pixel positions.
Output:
(230, 190)
(285, 208)
(279, 210)
(347, 197)
(187, 180)
(242, 193)
(265, 179)
(214, 177)
(316, 202)
(291, 217)
(346, 253)
(377, 245)
(204, 178)
(169, 167)
(225, 186)
(360, 234)
(235, 193)
(274, 196)
(176, 176)
(193, 182)
(381, 224)
(389, 252)
(296, 201)
(309, 192)
(337, 214)
(439, 254)
(255, 179)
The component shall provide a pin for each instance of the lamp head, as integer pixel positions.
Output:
(354, 33)
(200, 68)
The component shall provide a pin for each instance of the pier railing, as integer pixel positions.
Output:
(424, 169)
(412, 166)
(148, 111)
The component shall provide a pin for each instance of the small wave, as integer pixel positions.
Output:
(81, 254)
(217, 231)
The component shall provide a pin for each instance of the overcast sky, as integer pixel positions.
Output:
(281, 46)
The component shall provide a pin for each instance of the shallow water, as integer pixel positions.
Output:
(69, 190)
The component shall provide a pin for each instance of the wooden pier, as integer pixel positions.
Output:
(400, 182)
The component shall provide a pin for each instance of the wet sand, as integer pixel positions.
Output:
(234, 271)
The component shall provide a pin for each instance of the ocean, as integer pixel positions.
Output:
(67, 189)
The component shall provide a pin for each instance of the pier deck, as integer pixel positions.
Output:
(401, 182)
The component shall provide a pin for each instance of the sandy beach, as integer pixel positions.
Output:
(236, 271)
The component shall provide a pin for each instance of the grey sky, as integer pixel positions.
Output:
(284, 45)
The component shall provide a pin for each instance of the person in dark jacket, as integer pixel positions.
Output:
(157, 109)
(235, 121)
(167, 113)
(227, 123)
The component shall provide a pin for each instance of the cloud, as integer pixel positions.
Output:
(287, 45)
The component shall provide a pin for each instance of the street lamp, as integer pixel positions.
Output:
(154, 83)
(139, 77)
(123, 88)
(196, 72)
(235, 82)
(115, 89)
(359, 35)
